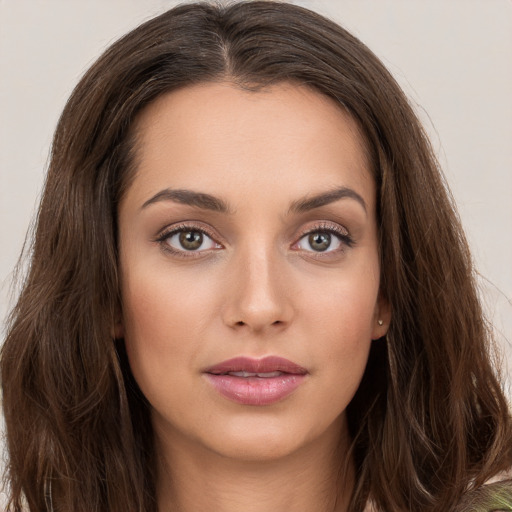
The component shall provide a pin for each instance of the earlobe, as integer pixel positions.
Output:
(117, 331)
(117, 323)
(381, 318)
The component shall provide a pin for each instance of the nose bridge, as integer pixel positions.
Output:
(258, 299)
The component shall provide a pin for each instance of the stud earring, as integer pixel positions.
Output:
(380, 322)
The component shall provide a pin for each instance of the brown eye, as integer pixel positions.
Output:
(190, 240)
(319, 241)
(326, 239)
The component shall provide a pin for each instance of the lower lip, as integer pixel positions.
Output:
(255, 390)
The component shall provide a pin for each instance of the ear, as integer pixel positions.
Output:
(117, 329)
(381, 317)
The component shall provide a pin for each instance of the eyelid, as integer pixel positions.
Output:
(165, 233)
(327, 226)
(332, 228)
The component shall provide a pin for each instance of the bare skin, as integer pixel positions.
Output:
(232, 485)
(250, 231)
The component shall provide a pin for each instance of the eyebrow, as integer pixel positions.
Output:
(190, 198)
(209, 202)
(310, 203)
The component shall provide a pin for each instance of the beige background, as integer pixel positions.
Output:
(453, 58)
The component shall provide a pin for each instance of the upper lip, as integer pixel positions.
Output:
(265, 365)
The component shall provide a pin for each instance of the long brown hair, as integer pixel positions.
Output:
(429, 419)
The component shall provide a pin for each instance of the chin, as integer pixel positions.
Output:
(266, 440)
(259, 449)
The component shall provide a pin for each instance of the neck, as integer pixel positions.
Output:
(318, 476)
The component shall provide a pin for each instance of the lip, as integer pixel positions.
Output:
(256, 390)
(264, 365)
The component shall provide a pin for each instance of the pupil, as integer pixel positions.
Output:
(191, 240)
(320, 241)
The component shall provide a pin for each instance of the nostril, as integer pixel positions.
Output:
(240, 323)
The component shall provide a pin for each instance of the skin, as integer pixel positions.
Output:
(255, 287)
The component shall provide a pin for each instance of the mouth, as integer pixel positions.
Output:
(244, 374)
(270, 366)
(249, 381)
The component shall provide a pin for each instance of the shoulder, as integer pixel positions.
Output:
(494, 496)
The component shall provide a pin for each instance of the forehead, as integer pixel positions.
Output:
(216, 135)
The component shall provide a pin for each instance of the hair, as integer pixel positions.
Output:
(429, 420)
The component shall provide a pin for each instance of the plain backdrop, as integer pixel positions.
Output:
(452, 57)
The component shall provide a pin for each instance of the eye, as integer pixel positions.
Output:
(319, 241)
(183, 239)
(325, 240)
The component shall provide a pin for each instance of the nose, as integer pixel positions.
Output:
(259, 297)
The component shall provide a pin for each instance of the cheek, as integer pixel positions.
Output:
(340, 324)
(343, 335)
(344, 303)
(165, 319)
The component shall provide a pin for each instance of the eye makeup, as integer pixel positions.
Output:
(191, 236)
(323, 242)
(193, 239)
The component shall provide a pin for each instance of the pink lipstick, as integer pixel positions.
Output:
(250, 381)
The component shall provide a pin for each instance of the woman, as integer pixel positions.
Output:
(249, 288)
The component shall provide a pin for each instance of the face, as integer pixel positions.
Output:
(249, 268)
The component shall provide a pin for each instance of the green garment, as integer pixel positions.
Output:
(496, 497)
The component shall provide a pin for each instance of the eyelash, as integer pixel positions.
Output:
(346, 241)
(324, 227)
(180, 228)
